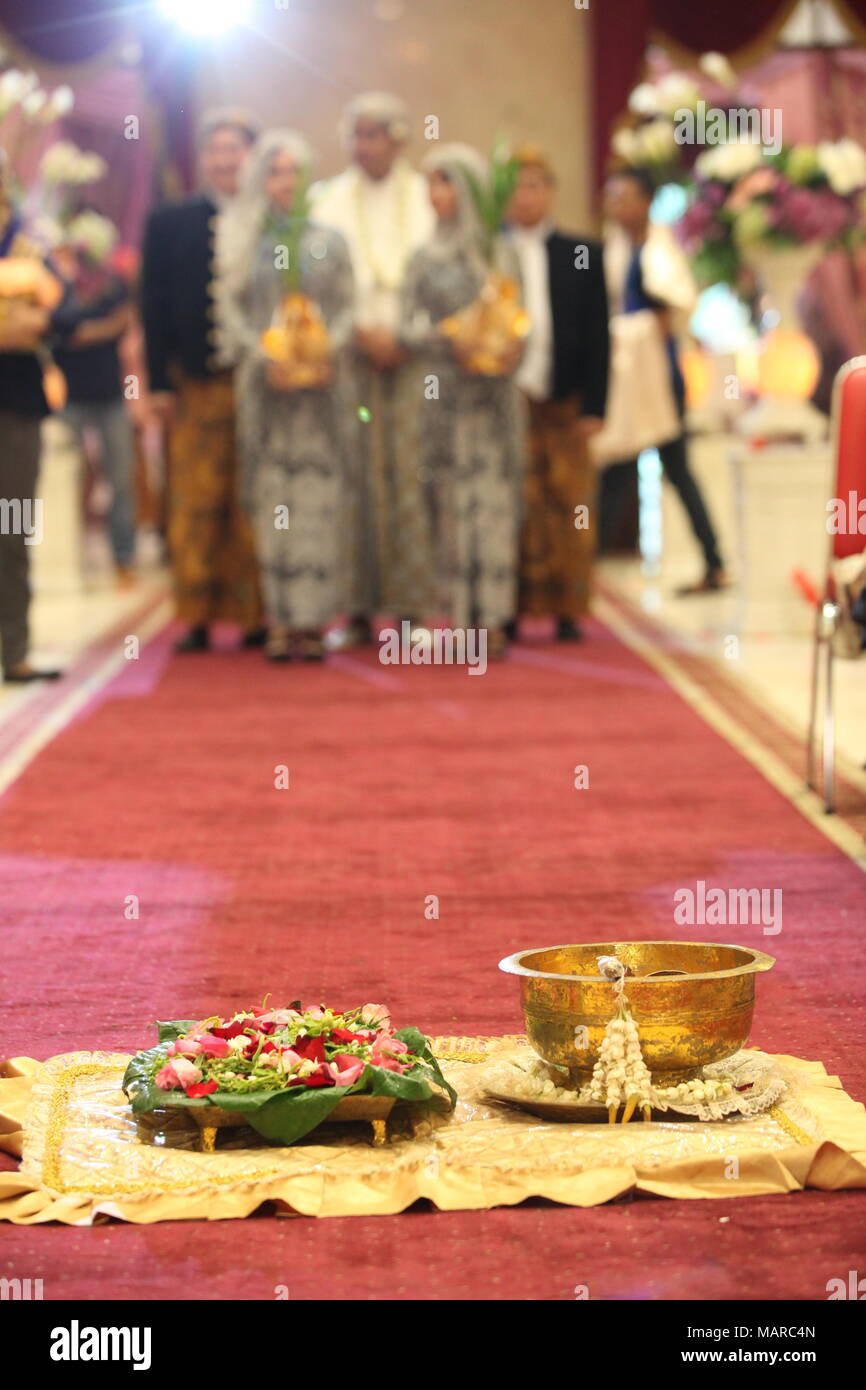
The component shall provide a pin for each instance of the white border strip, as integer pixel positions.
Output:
(12, 766)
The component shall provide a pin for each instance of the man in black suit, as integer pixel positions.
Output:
(209, 538)
(564, 377)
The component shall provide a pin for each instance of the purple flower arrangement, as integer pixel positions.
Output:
(786, 200)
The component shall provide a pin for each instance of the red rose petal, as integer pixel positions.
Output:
(229, 1030)
(200, 1088)
(310, 1049)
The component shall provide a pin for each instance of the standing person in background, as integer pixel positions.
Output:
(209, 537)
(564, 377)
(646, 269)
(380, 205)
(469, 440)
(290, 422)
(100, 313)
(25, 322)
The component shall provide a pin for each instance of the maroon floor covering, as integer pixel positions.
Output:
(405, 783)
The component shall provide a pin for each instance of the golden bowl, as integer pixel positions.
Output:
(692, 1001)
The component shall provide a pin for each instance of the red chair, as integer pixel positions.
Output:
(849, 448)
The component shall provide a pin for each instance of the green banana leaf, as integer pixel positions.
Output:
(416, 1042)
(178, 1028)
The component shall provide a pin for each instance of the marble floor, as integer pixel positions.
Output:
(73, 610)
(769, 509)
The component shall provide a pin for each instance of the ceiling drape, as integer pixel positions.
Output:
(623, 29)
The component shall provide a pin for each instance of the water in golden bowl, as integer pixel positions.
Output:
(692, 1001)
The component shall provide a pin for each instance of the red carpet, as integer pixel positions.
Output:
(407, 782)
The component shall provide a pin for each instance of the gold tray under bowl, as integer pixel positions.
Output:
(563, 1113)
(693, 1002)
(372, 1110)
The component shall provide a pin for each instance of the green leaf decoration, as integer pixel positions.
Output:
(138, 1079)
(288, 230)
(717, 262)
(178, 1028)
(416, 1042)
(287, 1116)
(492, 199)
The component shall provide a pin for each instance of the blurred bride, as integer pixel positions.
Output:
(470, 432)
(271, 259)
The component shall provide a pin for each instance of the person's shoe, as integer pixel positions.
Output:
(196, 640)
(278, 646)
(310, 646)
(510, 630)
(567, 630)
(360, 631)
(125, 578)
(23, 673)
(713, 581)
(256, 637)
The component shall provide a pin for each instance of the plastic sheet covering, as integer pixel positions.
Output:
(85, 1156)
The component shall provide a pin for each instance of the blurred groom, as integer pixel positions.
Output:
(382, 207)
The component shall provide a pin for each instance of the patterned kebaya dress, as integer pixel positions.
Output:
(293, 443)
(469, 438)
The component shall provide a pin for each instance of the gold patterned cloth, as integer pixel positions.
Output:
(210, 539)
(84, 1156)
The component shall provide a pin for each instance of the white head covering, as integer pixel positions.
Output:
(243, 221)
(383, 108)
(464, 231)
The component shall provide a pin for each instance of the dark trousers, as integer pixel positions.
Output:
(111, 423)
(617, 484)
(19, 466)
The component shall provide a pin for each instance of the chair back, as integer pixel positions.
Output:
(849, 447)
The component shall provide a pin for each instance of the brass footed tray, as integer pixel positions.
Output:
(759, 1082)
(372, 1110)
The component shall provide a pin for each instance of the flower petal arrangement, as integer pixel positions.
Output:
(284, 1070)
(744, 188)
(743, 198)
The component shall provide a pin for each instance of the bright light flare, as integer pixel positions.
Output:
(206, 17)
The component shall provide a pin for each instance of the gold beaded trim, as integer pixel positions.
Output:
(56, 1128)
(478, 1049)
(787, 1124)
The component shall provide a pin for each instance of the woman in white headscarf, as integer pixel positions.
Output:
(291, 441)
(470, 436)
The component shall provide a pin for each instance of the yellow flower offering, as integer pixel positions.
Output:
(297, 343)
(488, 332)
